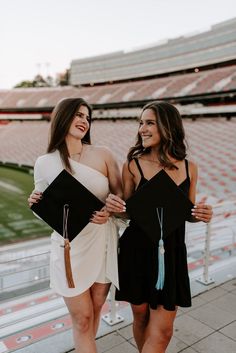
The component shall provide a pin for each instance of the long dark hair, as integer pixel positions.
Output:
(171, 132)
(62, 116)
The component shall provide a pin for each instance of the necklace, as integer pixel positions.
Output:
(77, 153)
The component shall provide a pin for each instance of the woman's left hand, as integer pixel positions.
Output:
(202, 212)
(100, 217)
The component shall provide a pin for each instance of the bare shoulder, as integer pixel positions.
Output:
(193, 169)
(130, 167)
(101, 151)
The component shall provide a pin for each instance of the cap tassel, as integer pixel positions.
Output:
(161, 252)
(69, 275)
(161, 266)
(68, 269)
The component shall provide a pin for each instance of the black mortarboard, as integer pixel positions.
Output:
(66, 190)
(160, 192)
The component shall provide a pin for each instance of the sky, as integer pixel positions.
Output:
(44, 36)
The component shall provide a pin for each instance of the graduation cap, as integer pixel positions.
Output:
(66, 192)
(159, 207)
(67, 206)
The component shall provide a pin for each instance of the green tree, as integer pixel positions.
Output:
(38, 81)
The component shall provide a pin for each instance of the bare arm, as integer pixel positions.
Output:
(115, 186)
(128, 180)
(114, 176)
(201, 211)
(115, 203)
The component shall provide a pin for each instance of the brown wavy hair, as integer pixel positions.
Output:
(171, 132)
(61, 119)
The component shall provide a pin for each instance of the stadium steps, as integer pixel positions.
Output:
(35, 311)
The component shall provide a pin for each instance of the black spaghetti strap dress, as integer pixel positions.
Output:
(138, 264)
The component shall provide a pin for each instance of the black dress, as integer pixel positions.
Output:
(138, 265)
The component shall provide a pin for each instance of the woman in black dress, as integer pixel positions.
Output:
(160, 145)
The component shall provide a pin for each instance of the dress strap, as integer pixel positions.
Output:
(138, 166)
(187, 168)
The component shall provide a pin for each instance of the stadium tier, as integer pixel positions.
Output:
(34, 97)
(216, 45)
(211, 142)
(219, 80)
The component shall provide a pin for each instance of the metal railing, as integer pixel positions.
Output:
(219, 238)
(24, 271)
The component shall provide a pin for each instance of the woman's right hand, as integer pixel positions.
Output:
(34, 197)
(115, 204)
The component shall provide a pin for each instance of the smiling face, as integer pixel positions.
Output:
(148, 129)
(80, 123)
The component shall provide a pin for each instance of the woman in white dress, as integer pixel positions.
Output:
(93, 251)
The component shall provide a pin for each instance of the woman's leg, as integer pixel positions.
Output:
(82, 315)
(99, 293)
(140, 322)
(159, 330)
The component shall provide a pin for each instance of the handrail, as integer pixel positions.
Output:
(206, 279)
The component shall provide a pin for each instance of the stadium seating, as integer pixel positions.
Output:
(21, 142)
(218, 44)
(211, 145)
(209, 81)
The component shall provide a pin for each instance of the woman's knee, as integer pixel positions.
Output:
(140, 314)
(161, 336)
(166, 334)
(82, 321)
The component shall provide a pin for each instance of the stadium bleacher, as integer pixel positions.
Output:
(218, 44)
(209, 81)
(211, 144)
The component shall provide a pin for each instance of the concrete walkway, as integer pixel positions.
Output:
(209, 326)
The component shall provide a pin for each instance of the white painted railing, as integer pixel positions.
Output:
(224, 219)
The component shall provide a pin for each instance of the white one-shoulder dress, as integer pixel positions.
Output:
(94, 250)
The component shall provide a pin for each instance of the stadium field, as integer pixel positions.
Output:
(17, 222)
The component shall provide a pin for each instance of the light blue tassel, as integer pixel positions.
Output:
(161, 258)
(161, 265)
